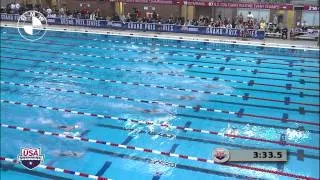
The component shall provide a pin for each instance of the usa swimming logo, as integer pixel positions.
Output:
(30, 157)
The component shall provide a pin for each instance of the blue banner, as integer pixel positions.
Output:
(146, 26)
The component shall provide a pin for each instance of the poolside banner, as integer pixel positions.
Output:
(146, 26)
(311, 8)
(9, 17)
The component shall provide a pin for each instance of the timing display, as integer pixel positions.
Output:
(223, 155)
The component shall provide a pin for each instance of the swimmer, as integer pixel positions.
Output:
(68, 128)
(70, 154)
(212, 86)
(152, 111)
(232, 131)
(72, 133)
(186, 97)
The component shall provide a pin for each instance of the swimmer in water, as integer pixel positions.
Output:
(212, 86)
(152, 111)
(186, 97)
(68, 128)
(232, 131)
(70, 154)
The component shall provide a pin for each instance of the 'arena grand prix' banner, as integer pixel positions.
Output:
(146, 26)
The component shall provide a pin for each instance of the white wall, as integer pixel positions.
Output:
(311, 18)
(257, 13)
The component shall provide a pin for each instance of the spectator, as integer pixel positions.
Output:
(262, 25)
(284, 33)
(49, 11)
(250, 16)
(229, 26)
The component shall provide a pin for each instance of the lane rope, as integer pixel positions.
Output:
(173, 88)
(51, 168)
(249, 83)
(258, 62)
(161, 125)
(144, 100)
(192, 47)
(196, 108)
(146, 150)
(183, 115)
(219, 69)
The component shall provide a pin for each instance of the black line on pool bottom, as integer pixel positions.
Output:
(207, 141)
(84, 133)
(174, 148)
(5, 167)
(104, 168)
(127, 140)
(301, 81)
(158, 174)
(268, 107)
(188, 124)
(179, 166)
(290, 69)
(231, 64)
(301, 94)
(239, 122)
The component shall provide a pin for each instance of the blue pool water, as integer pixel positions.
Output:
(184, 88)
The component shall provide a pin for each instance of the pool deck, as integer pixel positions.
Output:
(269, 42)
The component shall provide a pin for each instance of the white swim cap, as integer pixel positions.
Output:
(76, 126)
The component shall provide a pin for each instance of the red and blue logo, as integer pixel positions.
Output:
(30, 157)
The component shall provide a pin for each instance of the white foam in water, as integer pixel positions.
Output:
(296, 136)
(40, 120)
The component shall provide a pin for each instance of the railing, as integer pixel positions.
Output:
(250, 33)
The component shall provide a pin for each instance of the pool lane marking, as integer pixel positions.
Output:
(164, 125)
(187, 47)
(245, 96)
(195, 139)
(51, 168)
(289, 74)
(183, 115)
(179, 166)
(152, 151)
(227, 59)
(220, 69)
(152, 102)
(249, 83)
(197, 108)
(181, 156)
(256, 60)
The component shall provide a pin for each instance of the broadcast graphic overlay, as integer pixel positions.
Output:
(32, 25)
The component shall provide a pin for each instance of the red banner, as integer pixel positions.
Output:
(215, 4)
(311, 8)
(240, 5)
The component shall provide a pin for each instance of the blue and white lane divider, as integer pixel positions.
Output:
(144, 100)
(51, 168)
(152, 151)
(220, 69)
(258, 62)
(246, 97)
(161, 125)
(255, 71)
(239, 114)
(297, 57)
(130, 99)
(249, 83)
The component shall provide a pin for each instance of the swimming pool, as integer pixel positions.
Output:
(156, 108)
